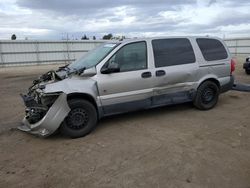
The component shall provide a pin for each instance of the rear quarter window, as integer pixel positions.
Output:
(212, 49)
(174, 51)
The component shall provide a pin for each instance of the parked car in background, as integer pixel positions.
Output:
(125, 76)
(246, 65)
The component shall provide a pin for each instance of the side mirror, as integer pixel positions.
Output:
(110, 68)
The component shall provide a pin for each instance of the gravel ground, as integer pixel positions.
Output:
(175, 146)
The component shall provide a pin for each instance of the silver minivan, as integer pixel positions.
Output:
(124, 76)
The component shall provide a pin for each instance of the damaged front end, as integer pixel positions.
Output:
(44, 111)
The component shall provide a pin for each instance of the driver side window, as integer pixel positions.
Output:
(131, 57)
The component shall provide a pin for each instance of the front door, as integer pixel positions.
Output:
(131, 87)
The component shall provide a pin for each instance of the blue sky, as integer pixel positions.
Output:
(55, 19)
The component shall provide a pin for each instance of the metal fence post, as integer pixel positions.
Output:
(37, 52)
(68, 57)
(1, 55)
(236, 47)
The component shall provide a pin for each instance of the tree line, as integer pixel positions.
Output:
(105, 37)
(85, 37)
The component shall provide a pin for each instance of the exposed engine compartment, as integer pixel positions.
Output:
(37, 106)
(36, 102)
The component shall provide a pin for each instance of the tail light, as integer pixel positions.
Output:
(233, 63)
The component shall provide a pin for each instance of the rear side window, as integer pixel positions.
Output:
(212, 49)
(175, 51)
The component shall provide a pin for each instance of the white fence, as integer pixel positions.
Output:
(42, 52)
(239, 47)
(46, 52)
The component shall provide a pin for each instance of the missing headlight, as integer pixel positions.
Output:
(38, 105)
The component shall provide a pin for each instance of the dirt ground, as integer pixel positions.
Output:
(175, 146)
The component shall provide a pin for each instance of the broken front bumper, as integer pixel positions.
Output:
(51, 121)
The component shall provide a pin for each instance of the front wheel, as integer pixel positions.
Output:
(81, 120)
(207, 96)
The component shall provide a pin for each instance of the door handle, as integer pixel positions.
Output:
(160, 73)
(146, 75)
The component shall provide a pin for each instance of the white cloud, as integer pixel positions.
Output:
(52, 19)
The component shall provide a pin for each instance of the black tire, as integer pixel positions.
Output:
(81, 120)
(207, 95)
(247, 71)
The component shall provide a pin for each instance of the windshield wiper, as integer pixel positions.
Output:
(65, 67)
(81, 70)
(77, 71)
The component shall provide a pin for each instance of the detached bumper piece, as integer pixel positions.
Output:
(241, 87)
(49, 122)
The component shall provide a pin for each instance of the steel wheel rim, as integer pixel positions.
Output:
(208, 95)
(77, 119)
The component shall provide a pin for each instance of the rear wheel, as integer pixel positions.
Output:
(81, 120)
(207, 95)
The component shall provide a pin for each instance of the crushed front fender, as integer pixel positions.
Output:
(51, 121)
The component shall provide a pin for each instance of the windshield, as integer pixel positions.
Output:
(93, 57)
